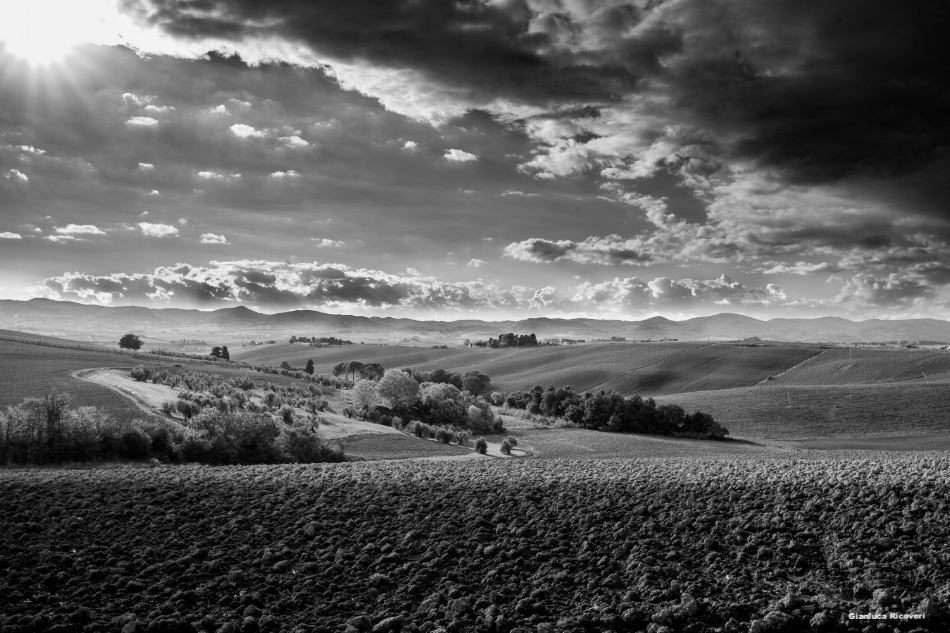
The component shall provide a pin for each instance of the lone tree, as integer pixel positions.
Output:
(309, 367)
(130, 341)
(225, 354)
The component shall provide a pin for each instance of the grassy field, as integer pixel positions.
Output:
(398, 446)
(34, 370)
(809, 411)
(646, 369)
(843, 367)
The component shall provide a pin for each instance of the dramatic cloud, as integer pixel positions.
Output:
(770, 141)
(279, 284)
(157, 230)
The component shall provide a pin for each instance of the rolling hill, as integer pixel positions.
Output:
(633, 368)
(854, 366)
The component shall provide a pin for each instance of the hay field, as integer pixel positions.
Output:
(631, 368)
(821, 411)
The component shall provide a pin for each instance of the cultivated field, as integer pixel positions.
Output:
(740, 544)
(630, 368)
(803, 411)
(844, 367)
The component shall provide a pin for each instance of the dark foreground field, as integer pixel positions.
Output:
(734, 545)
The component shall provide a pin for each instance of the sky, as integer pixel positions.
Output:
(488, 159)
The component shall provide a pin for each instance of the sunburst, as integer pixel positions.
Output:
(45, 32)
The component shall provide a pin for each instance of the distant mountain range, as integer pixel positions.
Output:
(64, 318)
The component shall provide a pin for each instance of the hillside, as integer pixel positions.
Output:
(812, 411)
(646, 369)
(852, 366)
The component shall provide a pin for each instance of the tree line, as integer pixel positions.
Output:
(610, 411)
(320, 341)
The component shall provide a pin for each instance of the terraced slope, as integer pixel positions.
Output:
(810, 411)
(646, 369)
(508, 546)
(862, 365)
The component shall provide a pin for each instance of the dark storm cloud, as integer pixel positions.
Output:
(820, 91)
(481, 45)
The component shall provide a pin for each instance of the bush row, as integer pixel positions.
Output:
(47, 430)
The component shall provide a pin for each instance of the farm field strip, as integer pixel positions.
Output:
(843, 366)
(808, 411)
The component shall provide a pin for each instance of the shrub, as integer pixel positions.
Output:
(168, 407)
(512, 441)
(306, 448)
(481, 446)
(506, 447)
(184, 408)
(287, 414)
(135, 444)
(417, 428)
(141, 373)
(444, 435)
(462, 438)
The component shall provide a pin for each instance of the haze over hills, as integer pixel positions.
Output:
(64, 318)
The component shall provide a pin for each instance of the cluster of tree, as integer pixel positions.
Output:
(409, 394)
(252, 343)
(320, 341)
(370, 371)
(509, 340)
(221, 352)
(610, 411)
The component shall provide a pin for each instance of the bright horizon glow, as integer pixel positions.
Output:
(44, 32)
